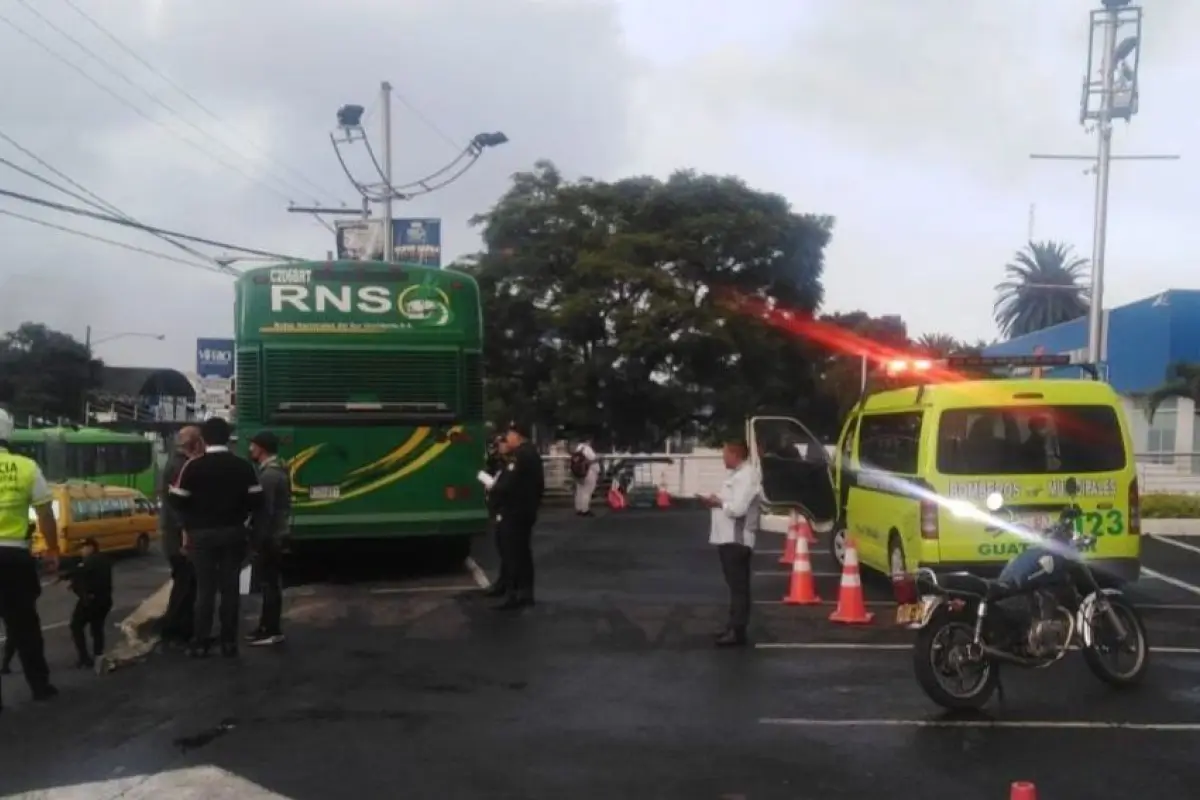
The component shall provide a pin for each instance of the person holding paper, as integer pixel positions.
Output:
(516, 498)
(493, 474)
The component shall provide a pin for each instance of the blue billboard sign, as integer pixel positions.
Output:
(214, 358)
(418, 241)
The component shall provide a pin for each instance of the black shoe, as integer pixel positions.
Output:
(198, 650)
(44, 693)
(732, 638)
(85, 663)
(257, 633)
(721, 631)
(229, 650)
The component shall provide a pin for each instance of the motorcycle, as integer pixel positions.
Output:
(1046, 601)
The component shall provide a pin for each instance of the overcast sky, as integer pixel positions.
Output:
(910, 122)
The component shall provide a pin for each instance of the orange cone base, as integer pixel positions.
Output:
(851, 619)
(802, 601)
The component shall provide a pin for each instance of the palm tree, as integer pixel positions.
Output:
(1183, 380)
(938, 345)
(1041, 288)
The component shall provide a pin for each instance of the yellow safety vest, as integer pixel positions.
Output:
(17, 474)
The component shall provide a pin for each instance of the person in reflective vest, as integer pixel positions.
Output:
(22, 487)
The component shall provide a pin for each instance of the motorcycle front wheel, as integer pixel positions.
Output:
(945, 672)
(1104, 657)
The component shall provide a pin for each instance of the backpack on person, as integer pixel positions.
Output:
(579, 465)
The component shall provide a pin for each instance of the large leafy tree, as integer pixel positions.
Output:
(603, 303)
(45, 373)
(1042, 287)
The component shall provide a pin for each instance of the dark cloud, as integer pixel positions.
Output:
(553, 76)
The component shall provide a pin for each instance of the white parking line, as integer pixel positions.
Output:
(51, 627)
(890, 646)
(422, 589)
(1178, 584)
(1181, 545)
(481, 578)
(1025, 724)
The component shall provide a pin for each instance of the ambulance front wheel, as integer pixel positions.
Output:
(837, 545)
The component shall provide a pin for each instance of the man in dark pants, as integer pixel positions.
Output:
(216, 494)
(181, 606)
(517, 499)
(272, 527)
(734, 525)
(496, 462)
(23, 486)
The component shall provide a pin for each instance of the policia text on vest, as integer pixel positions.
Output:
(23, 486)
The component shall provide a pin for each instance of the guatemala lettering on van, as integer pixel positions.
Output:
(979, 490)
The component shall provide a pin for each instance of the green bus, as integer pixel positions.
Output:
(91, 454)
(370, 375)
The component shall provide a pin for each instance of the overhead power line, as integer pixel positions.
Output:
(125, 223)
(98, 201)
(191, 97)
(122, 245)
(141, 113)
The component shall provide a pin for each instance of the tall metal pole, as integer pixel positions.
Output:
(1103, 162)
(385, 89)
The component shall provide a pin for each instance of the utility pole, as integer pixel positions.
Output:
(1107, 96)
(389, 194)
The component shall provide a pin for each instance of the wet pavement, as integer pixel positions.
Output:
(410, 687)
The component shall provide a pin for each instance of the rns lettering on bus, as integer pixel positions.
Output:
(367, 299)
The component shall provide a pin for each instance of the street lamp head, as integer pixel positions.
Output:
(495, 139)
(350, 116)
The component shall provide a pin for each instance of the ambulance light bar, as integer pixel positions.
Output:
(988, 362)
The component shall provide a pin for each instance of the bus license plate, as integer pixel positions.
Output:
(909, 613)
(1036, 522)
(324, 492)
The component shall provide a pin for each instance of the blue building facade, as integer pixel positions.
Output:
(1139, 342)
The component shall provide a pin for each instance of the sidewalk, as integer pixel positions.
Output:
(1171, 527)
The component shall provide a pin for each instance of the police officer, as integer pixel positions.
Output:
(22, 486)
(517, 498)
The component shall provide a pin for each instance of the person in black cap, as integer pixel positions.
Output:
(517, 497)
(272, 528)
(215, 494)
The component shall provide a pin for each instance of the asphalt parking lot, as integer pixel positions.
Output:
(410, 687)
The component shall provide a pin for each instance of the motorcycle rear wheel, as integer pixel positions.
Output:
(934, 664)
(1098, 659)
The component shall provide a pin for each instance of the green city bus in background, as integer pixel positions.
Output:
(370, 374)
(91, 454)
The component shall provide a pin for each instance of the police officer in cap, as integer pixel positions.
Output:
(517, 497)
(23, 486)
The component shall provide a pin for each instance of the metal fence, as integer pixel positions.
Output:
(690, 474)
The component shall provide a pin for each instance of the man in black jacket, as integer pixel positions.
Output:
(92, 583)
(181, 607)
(517, 498)
(216, 494)
(272, 527)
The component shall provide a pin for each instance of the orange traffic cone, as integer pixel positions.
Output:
(804, 530)
(663, 498)
(1023, 790)
(802, 592)
(851, 608)
(789, 550)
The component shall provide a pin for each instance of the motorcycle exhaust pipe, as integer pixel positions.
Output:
(1005, 656)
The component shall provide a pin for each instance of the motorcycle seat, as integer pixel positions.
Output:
(969, 582)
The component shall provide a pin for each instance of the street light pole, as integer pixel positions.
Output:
(1116, 100)
(385, 90)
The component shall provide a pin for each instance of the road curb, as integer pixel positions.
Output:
(1171, 527)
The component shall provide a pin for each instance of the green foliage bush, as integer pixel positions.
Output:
(1170, 506)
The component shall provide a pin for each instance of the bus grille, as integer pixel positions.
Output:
(473, 385)
(248, 385)
(345, 375)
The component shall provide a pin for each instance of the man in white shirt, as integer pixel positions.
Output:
(585, 468)
(735, 515)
